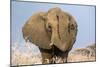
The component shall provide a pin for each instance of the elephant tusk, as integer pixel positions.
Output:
(51, 44)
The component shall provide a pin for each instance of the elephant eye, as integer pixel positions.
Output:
(72, 27)
(49, 28)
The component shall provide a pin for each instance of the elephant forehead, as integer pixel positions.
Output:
(53, 12)
(51, 17)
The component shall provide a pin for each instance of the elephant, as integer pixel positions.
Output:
(53, 32)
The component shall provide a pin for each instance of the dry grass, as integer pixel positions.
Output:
(28, 57)
(83, 54)
(79, 58)
(24, 57)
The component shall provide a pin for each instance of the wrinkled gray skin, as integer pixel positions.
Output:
(54, 32)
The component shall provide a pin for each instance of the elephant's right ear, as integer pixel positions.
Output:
(35, 30)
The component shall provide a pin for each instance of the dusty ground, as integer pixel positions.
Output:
(27, 58)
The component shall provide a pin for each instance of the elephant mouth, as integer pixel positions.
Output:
(56, 51)
(63, 47)
(51, 44)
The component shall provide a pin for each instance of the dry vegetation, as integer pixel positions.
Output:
(27, 56)
(83, 54)
(24, 56)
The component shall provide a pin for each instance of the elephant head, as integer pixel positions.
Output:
(54, 27)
